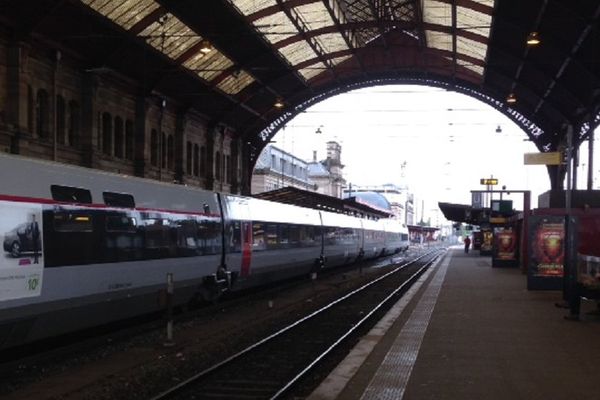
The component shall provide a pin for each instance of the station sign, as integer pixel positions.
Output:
(488, 181)
(549, 158)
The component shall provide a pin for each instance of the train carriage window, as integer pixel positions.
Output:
(71, 194)
(258, 236)
(271, 234)
(124, 200)
(72, 221)
(120, 223)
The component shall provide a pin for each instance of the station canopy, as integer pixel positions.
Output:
(255, 64)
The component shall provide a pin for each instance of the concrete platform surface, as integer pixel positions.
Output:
(474, 332)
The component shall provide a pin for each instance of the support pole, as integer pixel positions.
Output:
(590, 177)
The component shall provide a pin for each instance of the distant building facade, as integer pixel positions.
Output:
(276, 168)
(327, 175)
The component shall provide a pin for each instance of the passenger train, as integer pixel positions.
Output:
(84, 247)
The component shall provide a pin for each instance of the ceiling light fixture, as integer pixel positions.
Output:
(511, 98)
(533, 39)
(279, 103)
(205, 47)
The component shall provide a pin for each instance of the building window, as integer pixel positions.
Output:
(228, 169)
(196, 159)
(203, 162)
(60, 119)
(30, 108)
(74, 123)
(154, 148)
(106, 134)
(188, 158)
(218, 166)
(119, 137)
(42, 114)
(171, 152)
(129, 140)
(163, 150)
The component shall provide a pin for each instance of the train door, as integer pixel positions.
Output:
(246, 261)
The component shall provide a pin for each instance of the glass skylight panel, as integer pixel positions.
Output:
(439, 40)
(473, 21)
(276, 27)
(248, 7)
(313, 70)
(171, 38)
(314, 15)
(208, 66)
(298, 52)
(436, 12)
(471, 48)
(235, 83)
(332, 42)
(475, 68)
(125, 13)
(339, 60)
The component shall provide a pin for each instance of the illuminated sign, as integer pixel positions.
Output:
(549, 158)
(488, 181)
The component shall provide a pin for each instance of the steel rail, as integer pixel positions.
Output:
(188, 382)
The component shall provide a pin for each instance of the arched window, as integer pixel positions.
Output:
(107, 133)
(119, 137)
(171, 152)
(203, 161)
(218, 166)
(74, 123)
(196, 159)
(188, 158)
(129, 140)
(60, 119)
(42, 120)
(154, 148)
(163, 150)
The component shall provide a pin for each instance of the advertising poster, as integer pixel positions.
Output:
(505, 244)
(21, 262)
(487, 244)
(546, 252)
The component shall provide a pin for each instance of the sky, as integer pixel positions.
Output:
(445, 140)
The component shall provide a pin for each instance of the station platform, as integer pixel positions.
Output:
(471, 331)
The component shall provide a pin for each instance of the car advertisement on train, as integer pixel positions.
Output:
(21, 263)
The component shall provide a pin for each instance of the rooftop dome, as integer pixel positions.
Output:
(374, 199)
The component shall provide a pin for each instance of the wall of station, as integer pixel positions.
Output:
(54, 106)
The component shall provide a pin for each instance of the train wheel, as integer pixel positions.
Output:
(15, 249)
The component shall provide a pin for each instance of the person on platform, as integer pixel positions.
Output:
(467, 244)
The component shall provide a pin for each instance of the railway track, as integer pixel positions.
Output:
(275, 366)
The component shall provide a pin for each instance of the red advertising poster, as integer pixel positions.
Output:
(548, 247)
(505, 244)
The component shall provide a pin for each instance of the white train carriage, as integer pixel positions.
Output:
(269, 241)
(396, 236)
(84, 247)
(106, 243)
